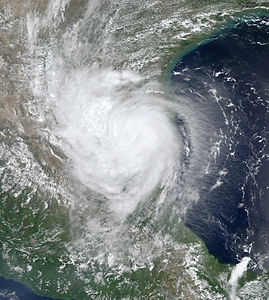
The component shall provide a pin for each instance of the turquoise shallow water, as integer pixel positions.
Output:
(220, 74)
(72, 226)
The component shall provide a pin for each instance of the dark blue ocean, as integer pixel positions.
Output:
(226, 80)
(12, 290)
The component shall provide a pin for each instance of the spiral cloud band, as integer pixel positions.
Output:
(123, 145)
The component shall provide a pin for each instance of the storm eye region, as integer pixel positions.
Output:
(123, 146)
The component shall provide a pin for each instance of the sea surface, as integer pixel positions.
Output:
(133, 149)
(226, 78)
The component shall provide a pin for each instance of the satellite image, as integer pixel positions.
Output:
(134, 150)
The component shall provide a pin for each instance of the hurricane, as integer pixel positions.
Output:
(122, 145)
(134, 149)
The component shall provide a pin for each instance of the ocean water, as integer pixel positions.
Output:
(12, 290)
(134, 149)
(227, 80)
